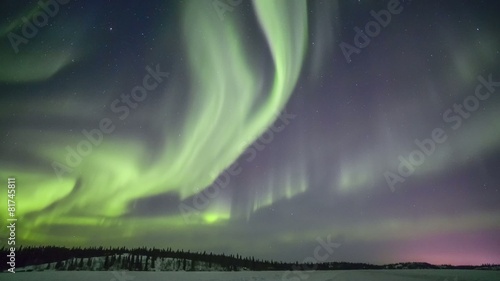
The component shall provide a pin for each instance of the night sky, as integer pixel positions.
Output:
(255, 127)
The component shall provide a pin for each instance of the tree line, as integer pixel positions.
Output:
(154, 259)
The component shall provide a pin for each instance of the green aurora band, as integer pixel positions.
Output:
(229, 107)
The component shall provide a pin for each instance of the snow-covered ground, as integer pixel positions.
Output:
(360, 275)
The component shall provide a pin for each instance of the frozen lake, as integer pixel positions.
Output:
(361, 275)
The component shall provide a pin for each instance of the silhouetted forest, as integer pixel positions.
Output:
(152, 259)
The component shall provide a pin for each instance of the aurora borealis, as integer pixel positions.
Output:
(251, 119)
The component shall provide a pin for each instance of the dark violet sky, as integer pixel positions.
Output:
(257, 127)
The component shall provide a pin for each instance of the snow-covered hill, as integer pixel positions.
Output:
(126, 262)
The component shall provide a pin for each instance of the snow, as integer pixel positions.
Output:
(161, 264)
(341, 275)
